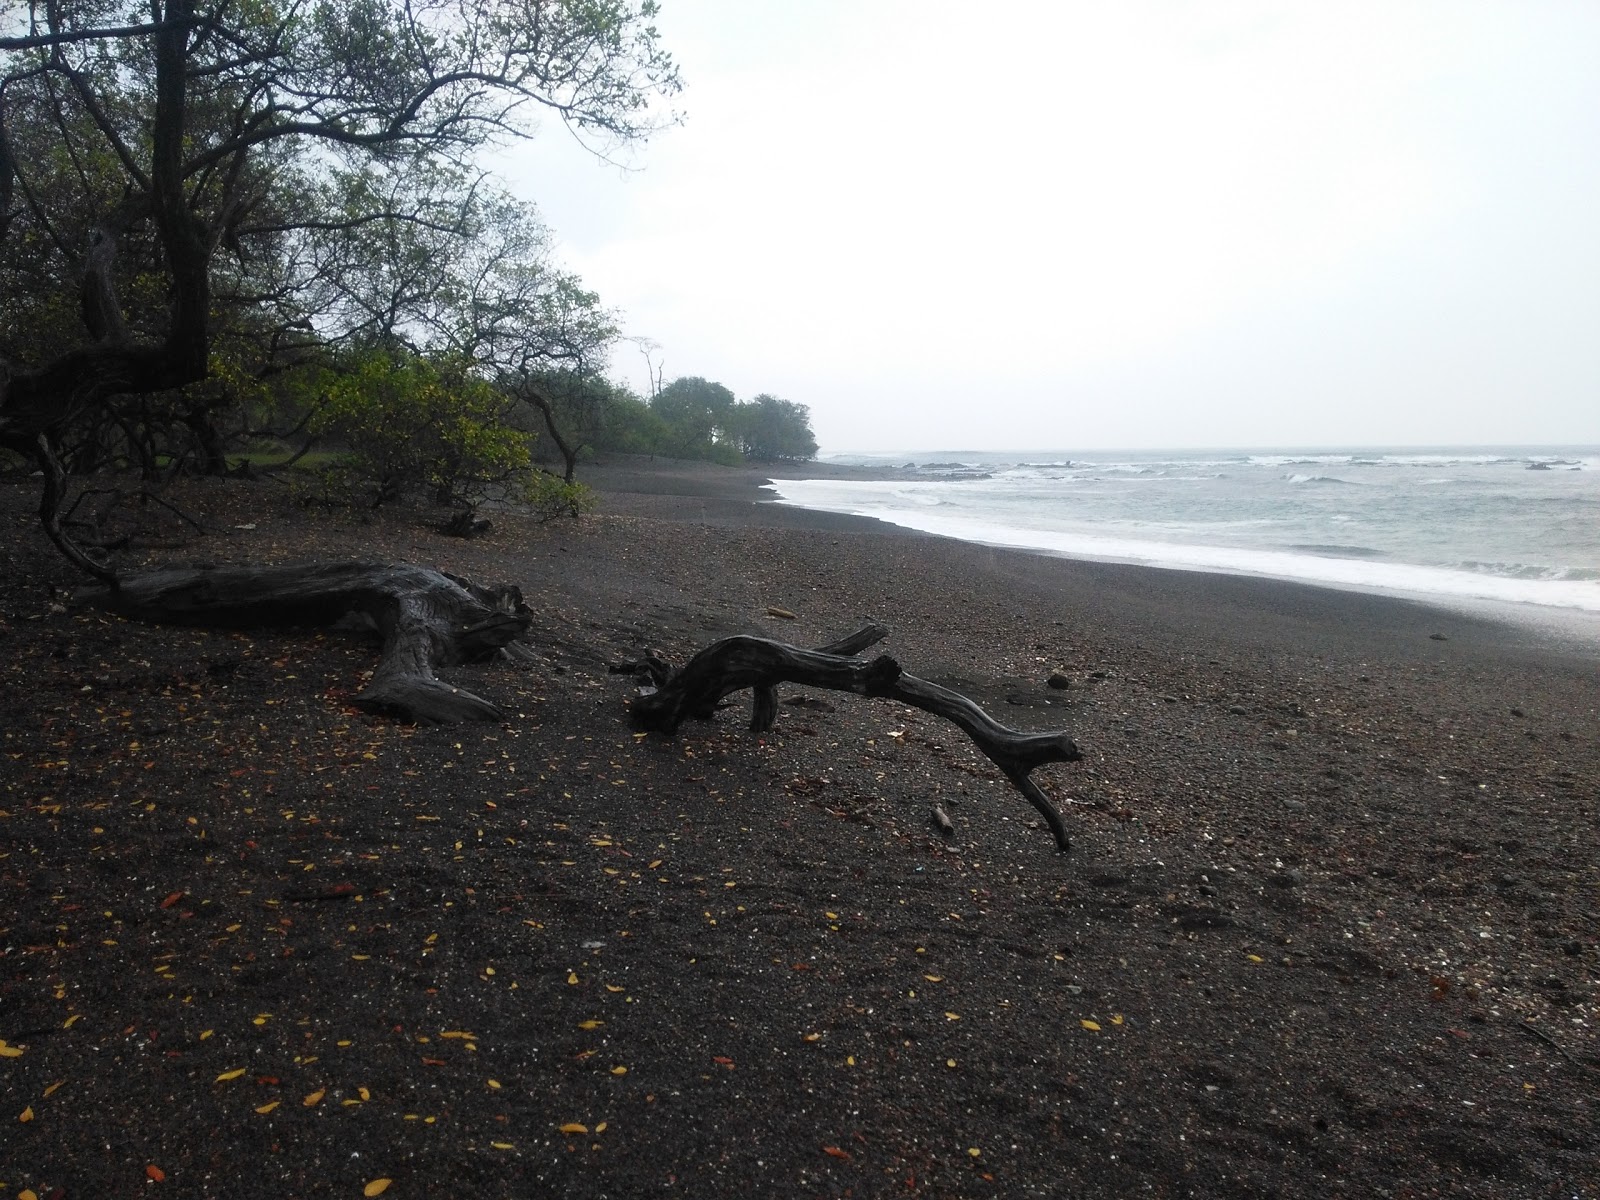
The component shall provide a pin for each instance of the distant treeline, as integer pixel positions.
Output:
(689, 418)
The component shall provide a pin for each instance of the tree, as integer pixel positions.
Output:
(178, 131)
(768, 429)
(413, 422)
(695, 411)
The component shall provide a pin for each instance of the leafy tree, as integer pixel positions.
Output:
(149, 168)
(695, 412)
(768, 429)
(409, 422)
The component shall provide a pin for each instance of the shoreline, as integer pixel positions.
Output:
(736, 496)
(1326, 922)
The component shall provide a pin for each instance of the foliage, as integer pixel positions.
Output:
(695, 412)
(409, 422)
(304, 174)
(551, 496)
(701, 419)
(768, 429)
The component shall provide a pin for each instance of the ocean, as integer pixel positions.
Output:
(1512, 525)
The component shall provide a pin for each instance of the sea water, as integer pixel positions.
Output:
(1502, 524)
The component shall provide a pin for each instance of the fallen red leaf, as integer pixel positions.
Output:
(836, 1152)
(172, 899)
(155, 1173)
(433, 1062)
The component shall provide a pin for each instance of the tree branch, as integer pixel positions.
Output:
(760, 663)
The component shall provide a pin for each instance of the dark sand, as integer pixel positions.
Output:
(1328, 926)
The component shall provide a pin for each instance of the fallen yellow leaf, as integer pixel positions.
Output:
(611, 987)
(233, 1074)
(600, 1128)
(9, 1051)
(572, 977)
(590, 1024)
(458, 1033)
(494, 1083)
(268, 1107)
(363, 1093)
(377, 1187)
(70, 1021)
(54, 1086)
(934, 978)
(1092, 1025)
(27, 1115)
(953, 1016)
(502, 1145)
(619, 1070)
(574, 1127)
(315, 1097)
(27, 1194)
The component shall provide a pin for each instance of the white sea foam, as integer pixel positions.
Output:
(1501, 534)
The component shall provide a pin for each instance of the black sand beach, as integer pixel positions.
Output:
(1328, 927)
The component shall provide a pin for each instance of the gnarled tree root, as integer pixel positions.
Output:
(426, 618)
(759, 663)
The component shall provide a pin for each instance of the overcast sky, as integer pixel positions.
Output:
(1061, 225)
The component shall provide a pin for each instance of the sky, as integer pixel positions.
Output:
(1079, 225)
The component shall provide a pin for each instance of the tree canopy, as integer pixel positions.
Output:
(703, 419)
(243, 186)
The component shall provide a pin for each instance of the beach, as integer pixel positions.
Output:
(1327, 926)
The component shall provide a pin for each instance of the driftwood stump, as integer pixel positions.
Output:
(734, 663)
(426, 618)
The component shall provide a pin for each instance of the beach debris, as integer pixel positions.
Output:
(774, 611)
(1058, 681)
(698, 689)
(427, 619)
(941, 821)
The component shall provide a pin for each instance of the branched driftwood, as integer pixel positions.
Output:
(732, 664)
(425, 617)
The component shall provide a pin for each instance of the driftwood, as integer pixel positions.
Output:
(698, 688)
(426, 618)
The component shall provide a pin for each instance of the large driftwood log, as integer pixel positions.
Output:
(426, 618)
(761, 664)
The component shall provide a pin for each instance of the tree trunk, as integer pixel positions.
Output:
(426, 618)
(759, 663)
